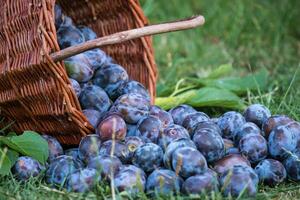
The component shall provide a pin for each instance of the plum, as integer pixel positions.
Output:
(112, 127)
(58, 16)
(89, 147)
(205, 183)
(257, 114)
(54, 147)
(274, 121)
(254, 147)
(94, 97)
(187, 161)
(79, 68)
(110, 77)
(230, 122)
(162, 115)
(60, 169)
(76, 87)
(116, 148)
(132, 107)
(131, 179)
(180, 112)
(83, 180)
(163, 182)
(229, 147)
(132, 86)
(247, 128)
(270, 172)
(292, 165)
(74, 153)
(132, 130)
(171, 133)
(209, 143)
(93, 116)
(239, 180)
(182, 142)
(229, 161)
(148, 157)
(26, 167)
(66, 22)
(69, 36)
(208, 125)
(87, 32)
(97, 58)
(132, 143)
(282, 140)
(149, 128)
(191, 120)
(106, 165)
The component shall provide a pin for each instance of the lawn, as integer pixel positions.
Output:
(248, 34)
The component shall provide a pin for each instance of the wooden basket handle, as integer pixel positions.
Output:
(128, 35)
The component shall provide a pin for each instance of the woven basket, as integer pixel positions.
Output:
(35, 92)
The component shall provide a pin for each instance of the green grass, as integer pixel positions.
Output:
(249, 34)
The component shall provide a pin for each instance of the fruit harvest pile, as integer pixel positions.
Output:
(138, 147)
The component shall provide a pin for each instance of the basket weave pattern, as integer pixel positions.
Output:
(35, 91)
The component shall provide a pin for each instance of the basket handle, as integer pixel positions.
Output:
(128, 35)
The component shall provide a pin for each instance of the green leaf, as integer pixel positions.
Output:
(215, 97)
(12, 155)
(240, 85)
(30, 144)
(221, 71)
(5, 163)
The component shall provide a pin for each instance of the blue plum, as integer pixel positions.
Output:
(227, 162)
(240, 180)
(132, 86)
(247, 128)
(74, 153)
(171, 133)
(282, 140)
(94, 97)
(254, 147)
(209, 142)
(66, 22)
(292, 165)
(116, 148)
(112, 127)
(89, 147)
(163, 182)
(229, 147)
(148, 157)
(205, 183)
(60, 169)
(132, 143)
(191, 120)
(183, 142)
(83, 180)
(180, 112)
(110, 77)
(149, 128)
(26, 167)
(132, 130)
(270, 172)
(54, 147)
(274, 121)
(87, 32)
(93, 116)
(187, 161)
(58, 16)
(230, 122)
(98, 59)
(106, 165)
(69, 36)
(208, 125)
(76, 87)
(131, 179)
(132, 107)
(162, 115)
(257, 114)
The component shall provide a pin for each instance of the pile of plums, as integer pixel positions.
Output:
(141, 148)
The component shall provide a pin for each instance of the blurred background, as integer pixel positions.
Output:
(250, 35)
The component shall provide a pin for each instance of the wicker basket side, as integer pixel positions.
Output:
(111, 16)
(34, 91)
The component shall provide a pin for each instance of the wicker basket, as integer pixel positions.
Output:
(35, 91)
